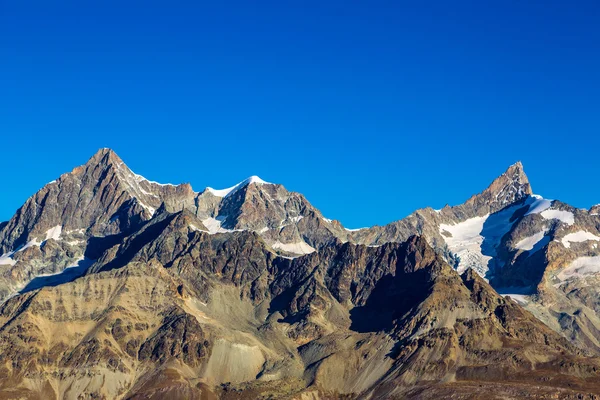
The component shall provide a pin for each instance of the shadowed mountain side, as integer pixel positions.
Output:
(69, 274)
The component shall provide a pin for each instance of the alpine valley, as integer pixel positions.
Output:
(116, 287)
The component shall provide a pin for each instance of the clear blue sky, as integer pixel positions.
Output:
(371, 109)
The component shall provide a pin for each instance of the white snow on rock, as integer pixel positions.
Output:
(355, 230)
(296, 248)
(151, 210)
(54, 233)
(578, 237)
(538, 205)
(521, 299)
(581, 267)
(148, 193)
(6, 259)
(233, 189)
(140, 178)
(70, 273)
(564, 216)
(284, 223)
(134, 179)
(195, 228)
(474, 241)
(465, 242)
(214, 225)
(31, 243)
(536, 241)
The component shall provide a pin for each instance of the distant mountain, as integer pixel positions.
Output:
(117, 287)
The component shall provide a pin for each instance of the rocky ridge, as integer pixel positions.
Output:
(119, 287)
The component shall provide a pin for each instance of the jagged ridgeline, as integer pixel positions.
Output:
(113, 286)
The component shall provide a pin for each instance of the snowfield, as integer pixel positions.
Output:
(465, 242)
(581, 267)
(578, 237)
(475, 240)
(564, 216)
(235, 188)
(296, 248)
(539, 205)
(534, 242)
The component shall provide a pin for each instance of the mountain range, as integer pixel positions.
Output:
(116, 287)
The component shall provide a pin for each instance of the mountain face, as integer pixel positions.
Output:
(117, 287)
(78, 216)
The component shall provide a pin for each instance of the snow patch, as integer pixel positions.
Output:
(134, 179)
(538, 205)
(140, 178)
(521, 299)
(475, 240)
(6, 259)
(233, 189)
(148, 193)
(195, 228)
(564, 216)
(296, 248)
(54, 233)
(214, 225)
(465, 242)
(151, 210)
(31, 243)
(531, 242)
(69, 274)
(578, 237)
(581, 267)
(283, 223)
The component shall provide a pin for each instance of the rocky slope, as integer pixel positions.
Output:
(182, 318)
(89, 209)
(119, 287)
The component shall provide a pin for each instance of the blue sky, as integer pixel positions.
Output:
(370, 109)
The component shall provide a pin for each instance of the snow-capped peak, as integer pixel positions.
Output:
(233, 189)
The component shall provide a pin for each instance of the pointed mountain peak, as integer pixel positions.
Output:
(104, 156)
(254, 179)
(229, 191)
(510, 187)
(516, 171)
(513, 181)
